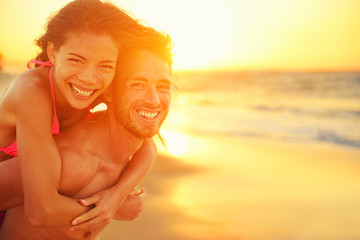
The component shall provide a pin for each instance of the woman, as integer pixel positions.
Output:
(79, 52)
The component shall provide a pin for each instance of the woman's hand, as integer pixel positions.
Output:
(107, 206)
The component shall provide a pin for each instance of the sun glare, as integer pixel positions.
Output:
(176, 143)
(228, 34)
(200, 29)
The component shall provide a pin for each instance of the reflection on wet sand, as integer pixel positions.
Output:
(251, 189)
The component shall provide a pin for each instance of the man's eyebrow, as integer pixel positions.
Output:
(109, 61)
(165, 81)
(138, 78)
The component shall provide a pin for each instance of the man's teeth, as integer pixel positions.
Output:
(81, 92)
(148, 115)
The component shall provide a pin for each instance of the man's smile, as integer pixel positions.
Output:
(147, 115)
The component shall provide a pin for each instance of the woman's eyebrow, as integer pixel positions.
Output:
(83, 58)
(77, 55)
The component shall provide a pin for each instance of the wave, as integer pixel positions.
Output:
(308, 111)
(333, 137)
(328, 136)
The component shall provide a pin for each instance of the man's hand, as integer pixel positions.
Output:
(132, 207)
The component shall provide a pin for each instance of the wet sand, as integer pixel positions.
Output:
(242, 188)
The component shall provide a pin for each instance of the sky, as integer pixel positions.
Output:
(218, 34)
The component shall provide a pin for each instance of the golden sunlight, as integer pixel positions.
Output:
(176, 143)
(257, 35)
(200, 29)
(228, 34)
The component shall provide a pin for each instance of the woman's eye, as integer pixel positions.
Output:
(74, 60)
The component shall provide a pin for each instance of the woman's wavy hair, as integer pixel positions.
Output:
(90, 16)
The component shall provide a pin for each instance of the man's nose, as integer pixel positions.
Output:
(88, 75)
(152, 97)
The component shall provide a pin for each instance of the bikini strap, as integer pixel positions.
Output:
(56, 126)
(40, 63)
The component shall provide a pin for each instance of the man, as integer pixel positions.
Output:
(94, 154)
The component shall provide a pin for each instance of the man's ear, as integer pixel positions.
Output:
(51, 52)
(107, 95)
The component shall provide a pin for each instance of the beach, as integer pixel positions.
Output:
(262, 140)
(250, 189)
(254, 156)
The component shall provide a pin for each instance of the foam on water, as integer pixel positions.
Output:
(285, 106)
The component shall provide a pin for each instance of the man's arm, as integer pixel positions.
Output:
(11, 194)
(108, 201)
(132, 207)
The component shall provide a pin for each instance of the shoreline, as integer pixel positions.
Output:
(262, 190)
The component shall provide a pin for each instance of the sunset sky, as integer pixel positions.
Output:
(219, 34)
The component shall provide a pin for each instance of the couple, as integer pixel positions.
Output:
(95, 153)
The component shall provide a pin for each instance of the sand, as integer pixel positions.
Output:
(243, 188)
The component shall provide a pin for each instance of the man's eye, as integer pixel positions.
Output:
(107, 67)
(164, 87)
(137, 85)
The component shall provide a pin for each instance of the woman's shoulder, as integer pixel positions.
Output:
(31, 85)
(37, 77)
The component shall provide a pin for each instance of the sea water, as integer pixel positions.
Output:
(285, 106)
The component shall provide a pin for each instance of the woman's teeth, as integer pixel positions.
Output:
(81, 92)
(148, 115)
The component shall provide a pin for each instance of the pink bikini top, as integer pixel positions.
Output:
(12, 149)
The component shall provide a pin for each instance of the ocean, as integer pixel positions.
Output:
(285, 106)
(282, 106)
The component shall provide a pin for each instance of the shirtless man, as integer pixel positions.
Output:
(95, 153)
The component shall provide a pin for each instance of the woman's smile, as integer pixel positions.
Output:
(81, 92)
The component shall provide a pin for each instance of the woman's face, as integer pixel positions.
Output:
(84, 67)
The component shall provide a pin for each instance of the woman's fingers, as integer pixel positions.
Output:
(91, 224)
(87, 216)
(90, 200)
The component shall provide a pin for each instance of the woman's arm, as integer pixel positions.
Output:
(108, 201)
(39, 159)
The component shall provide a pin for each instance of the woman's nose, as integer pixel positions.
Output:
(88, 75)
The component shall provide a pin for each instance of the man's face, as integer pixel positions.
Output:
(142, 100)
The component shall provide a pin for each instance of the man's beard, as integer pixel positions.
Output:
(138, 130)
